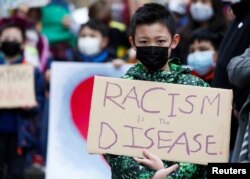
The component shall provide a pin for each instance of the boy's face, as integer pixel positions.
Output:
(11, 42)
(202, 57)
(201, 45)
(155, 34)
(12, 35)
(88, 32)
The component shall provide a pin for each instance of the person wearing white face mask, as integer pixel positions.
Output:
(202, 56)
(92, 43)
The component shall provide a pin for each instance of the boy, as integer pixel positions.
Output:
(152, 35)
(203, 53)
(92, 42)
(16, 125)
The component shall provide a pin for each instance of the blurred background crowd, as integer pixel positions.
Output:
(212, 32)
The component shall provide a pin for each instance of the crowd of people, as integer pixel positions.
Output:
(200, 42)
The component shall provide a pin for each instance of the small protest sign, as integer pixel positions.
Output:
(17, 86)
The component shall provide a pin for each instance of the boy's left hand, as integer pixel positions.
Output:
(150, 160)
(118, 62)
(29, 107)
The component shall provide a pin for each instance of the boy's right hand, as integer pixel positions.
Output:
(155, 163)
(163, 173)
(47, 76)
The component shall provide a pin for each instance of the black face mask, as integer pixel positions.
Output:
(152, 57)
(10, 49)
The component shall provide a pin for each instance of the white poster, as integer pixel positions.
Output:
(70, 98)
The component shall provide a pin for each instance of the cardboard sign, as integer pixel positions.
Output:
(175, 122)
(12, 4)
(17, 86)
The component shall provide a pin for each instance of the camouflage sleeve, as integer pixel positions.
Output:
(188, 79)
(187, 171)
(127, 77)
(124, 167)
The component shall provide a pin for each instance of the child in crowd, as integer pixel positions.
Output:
(17, 126)
(203, 53)
(92, 43)
(152, 35)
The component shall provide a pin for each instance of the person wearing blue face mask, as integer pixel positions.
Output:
(202, 56)
(202, 14)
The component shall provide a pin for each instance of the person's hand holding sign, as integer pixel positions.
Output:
(29, 107)
(155, 163)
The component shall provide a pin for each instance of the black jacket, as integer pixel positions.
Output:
(235, 42)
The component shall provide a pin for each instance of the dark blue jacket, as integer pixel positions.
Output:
(23, 122)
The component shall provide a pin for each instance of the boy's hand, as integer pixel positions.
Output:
(47, 76)
(155, 163)
(118, 63)
(150, 160)
(67, 21)
(29, 107)
(163, 173)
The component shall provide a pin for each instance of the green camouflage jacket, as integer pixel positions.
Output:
(124, 167)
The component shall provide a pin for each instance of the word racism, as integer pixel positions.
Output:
(119, 100)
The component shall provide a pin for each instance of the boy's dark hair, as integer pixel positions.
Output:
(96, 25)
(215, 37)
(12, 23)
(151, 13)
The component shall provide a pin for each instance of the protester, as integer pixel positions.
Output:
(202, 14)
(59, 35)
(152, 35)
(179, 10)
(17, 126)
(239, 74)
(235, 42)
(92, 43)
(118, 42)
(203, 53)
